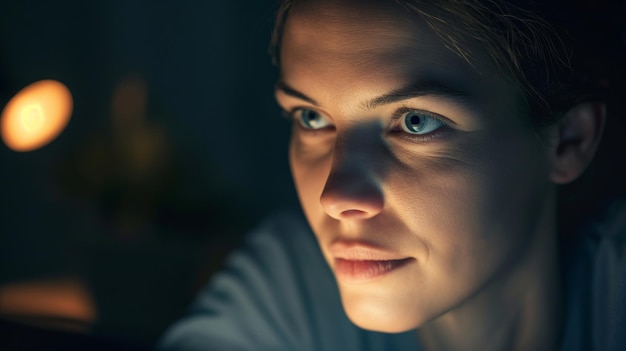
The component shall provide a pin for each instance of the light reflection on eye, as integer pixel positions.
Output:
(419, 123)
(310, 119)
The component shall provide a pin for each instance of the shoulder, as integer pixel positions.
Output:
(607, 244)
(600, 274)
(284, 231)
(274, 293)
(603, 239)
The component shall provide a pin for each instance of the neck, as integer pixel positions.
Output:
(520, 311)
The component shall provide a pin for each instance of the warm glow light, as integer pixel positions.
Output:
(64, 298)
(36, 115)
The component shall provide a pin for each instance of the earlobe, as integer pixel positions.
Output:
(579, 135)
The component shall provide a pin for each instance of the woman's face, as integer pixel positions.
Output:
(418, 172)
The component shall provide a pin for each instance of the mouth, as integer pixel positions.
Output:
(359, 262)
(362, 271)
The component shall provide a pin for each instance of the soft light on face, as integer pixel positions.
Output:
(417, 172)
(36, 115)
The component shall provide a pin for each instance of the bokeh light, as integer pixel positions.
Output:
(36, 115)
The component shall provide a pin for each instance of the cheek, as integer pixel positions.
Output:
(310, 169)
(474, 210)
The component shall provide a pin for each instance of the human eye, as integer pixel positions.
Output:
(419, 122)
(310, 119)
(418, 125)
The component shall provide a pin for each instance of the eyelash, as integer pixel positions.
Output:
(394, 128)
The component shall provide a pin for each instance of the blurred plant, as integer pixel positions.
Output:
(141, 181)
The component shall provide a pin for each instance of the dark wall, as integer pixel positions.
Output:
(174, 150)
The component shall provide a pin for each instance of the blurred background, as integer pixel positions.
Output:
(174, 150)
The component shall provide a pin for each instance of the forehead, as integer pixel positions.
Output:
(390, 45)
(341, 21)
(366, 34)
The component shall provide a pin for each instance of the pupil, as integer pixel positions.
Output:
(415, 120)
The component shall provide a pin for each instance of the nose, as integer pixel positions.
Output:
(352, 190)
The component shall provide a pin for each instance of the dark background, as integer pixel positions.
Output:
(138, 204)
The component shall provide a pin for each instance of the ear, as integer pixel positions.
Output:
(578, 137)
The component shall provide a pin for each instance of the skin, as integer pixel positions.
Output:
(472, 203)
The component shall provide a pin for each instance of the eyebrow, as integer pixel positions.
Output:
(421, 88)
(280, 85)
(412, 90)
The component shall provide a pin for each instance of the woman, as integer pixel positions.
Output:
(430, 148)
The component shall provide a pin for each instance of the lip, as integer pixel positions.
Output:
(363, 271)
(359, 262)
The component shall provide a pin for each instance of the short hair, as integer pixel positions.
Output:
(539, 45)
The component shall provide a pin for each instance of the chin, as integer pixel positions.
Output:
(381, 317)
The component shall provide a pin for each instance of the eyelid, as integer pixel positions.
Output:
(395, 119)
(291, 113)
